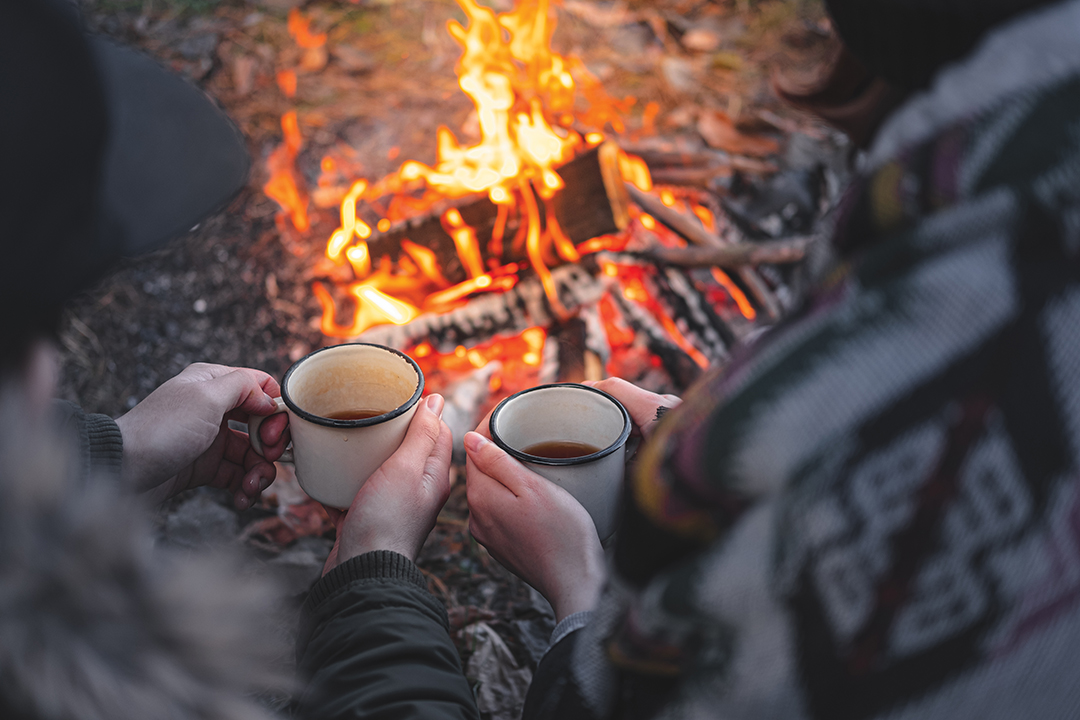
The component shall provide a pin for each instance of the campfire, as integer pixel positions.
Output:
(543, 246)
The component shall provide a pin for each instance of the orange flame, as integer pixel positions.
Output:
(283, 186)
(511, 80)
(286, 80)
(524, 95)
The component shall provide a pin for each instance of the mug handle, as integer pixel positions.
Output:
(256, 421)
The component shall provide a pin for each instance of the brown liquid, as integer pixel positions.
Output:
(561, 449)
(355, 414)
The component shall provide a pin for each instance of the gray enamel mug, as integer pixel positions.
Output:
(536, 425)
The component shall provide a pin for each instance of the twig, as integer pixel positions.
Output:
(734, 256)
(692, 231)
(673, 219)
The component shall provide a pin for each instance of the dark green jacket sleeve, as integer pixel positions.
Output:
(99, 443)
(374, 643)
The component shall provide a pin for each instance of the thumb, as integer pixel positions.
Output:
(491, 460)
(242, 389)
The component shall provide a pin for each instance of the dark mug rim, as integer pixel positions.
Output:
(364, 422)
(536, 459)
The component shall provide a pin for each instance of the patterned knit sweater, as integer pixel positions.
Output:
(875, 512)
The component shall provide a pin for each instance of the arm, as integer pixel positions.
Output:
(375, 644)
(373, 641)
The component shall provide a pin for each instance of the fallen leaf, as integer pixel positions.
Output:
(719, 132)
(501, 683)
(701, 39)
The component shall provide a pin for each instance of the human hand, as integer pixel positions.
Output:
(397, 507)
(179, 438)
(645, 408)
(532, 526)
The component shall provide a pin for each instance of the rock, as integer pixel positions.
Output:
(201, 522)
(198, 47)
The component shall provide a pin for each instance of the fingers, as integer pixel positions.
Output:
(437, 469)
(243, 389)
(489, 459)
(640, 403)
(274, 434)
(420, 440)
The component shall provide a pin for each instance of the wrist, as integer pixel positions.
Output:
(130, 473)
(364, 545)
(579, 595)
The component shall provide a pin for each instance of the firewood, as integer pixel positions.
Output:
(692, 231)
(734, 256)
(569, 337)
(592, 203)
(487, 316)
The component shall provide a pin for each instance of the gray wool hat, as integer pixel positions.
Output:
(907, 41)
(103, 154)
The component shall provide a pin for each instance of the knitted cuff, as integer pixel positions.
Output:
(102, 443)
(374, 565)
(569, 624)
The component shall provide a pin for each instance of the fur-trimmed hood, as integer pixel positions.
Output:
(95, 624)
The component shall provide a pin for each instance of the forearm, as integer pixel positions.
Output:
(374, 643)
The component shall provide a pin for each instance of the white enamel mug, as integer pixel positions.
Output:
(335, 457)
(568, 412)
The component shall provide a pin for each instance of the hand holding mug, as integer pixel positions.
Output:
(178, 437)
(532, 526)
(645, 408)
(398, 505)
(349, 408)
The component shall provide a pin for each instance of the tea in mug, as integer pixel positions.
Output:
(355, 414)
(561, 449)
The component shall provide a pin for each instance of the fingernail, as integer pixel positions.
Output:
(242, 501)
(475, 442)
(435, 404)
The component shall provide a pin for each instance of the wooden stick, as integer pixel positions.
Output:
(673, 219)
(692, 231)
(734, 256)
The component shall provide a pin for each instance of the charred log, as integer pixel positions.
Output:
(592, 203)
(487, 316)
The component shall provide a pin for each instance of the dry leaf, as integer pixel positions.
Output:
(719, 132)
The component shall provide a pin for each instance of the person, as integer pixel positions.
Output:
(872, 511)
(105, 154)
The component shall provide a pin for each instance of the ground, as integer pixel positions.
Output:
(237, 289)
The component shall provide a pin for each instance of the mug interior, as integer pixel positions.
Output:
(351, 377)
(560, 413)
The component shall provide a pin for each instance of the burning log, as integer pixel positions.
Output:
(693, 232)
(593, 202)
(568, 344)
(486, 316)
